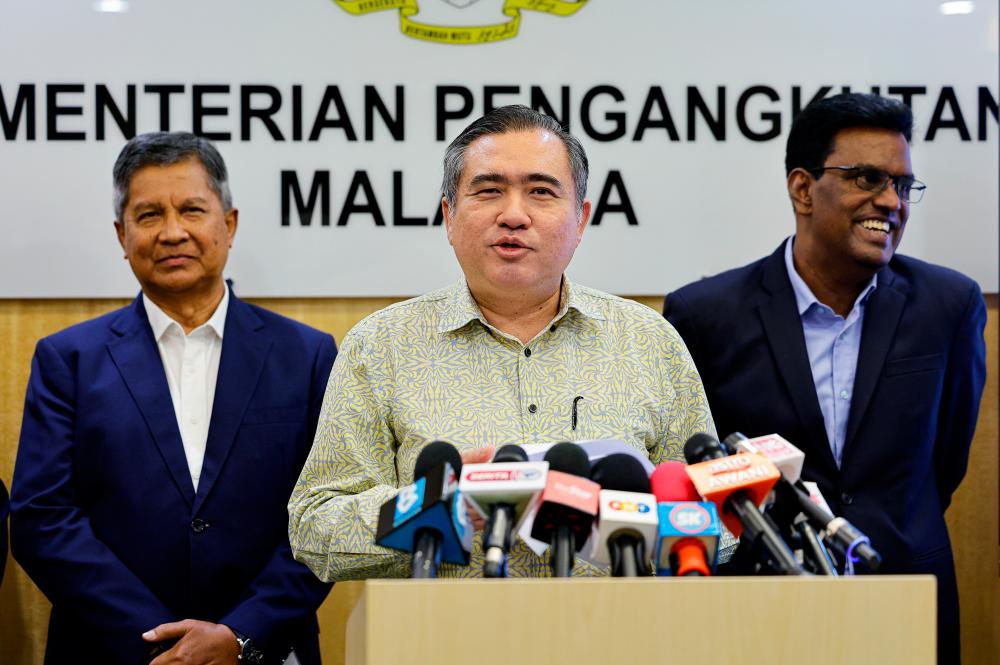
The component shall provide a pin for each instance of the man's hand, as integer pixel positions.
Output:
(198, 643)
(477, 456)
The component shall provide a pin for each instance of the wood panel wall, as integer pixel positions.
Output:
(972, 519)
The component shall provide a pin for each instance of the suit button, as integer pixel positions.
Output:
(198, 525)
(846, 499)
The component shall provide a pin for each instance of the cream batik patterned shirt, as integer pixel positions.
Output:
(433, 368)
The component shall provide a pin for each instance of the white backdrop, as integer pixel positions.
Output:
(703, 203)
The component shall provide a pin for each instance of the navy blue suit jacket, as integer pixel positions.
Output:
(920, 375)
(105, 518)
(4, 508)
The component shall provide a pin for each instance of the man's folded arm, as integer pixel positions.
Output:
(51, 535)
(963, 388)
(349, 474)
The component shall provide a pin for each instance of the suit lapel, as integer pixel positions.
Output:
(244, 349)
(138, 360)
(783, 327)
(882, 314)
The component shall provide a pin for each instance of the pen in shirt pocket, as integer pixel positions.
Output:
(575, 417)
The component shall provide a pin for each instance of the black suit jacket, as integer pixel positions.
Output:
(105, 517)
(920, 375)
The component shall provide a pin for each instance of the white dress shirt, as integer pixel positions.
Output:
(191, 363)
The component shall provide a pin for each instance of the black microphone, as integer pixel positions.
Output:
(500, 525)
(568, 506)
(792, 498)
(427, 517)
(628, 516)
(702, 449)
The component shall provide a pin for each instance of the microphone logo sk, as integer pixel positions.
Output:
(447, 21)
(689, 518)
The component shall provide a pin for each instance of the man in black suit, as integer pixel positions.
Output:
(872, 363)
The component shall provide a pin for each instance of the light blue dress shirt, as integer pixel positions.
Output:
(832, 343)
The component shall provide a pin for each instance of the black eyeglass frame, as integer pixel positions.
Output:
(898, 181)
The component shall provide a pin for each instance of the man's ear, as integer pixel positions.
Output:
(120, 232)
(446, 214)
(800, 186)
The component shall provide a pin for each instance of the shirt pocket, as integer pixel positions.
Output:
(900, 366)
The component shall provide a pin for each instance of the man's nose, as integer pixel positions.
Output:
(174, 230)
(889, 198)
(514, 214)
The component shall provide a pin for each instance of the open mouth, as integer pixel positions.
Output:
(877, 225)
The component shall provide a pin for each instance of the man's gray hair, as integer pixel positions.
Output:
(164, 149)
(504, 120)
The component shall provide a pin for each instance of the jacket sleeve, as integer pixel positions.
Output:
(51, 534)
(286, 592)
(964, 378)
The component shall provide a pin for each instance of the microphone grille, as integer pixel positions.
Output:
(620, 472)
(510, 453)
(435, 454)
(568, 458)
(701, 447)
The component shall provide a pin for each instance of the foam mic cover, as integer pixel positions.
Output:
(427, 517)
(503, 492)
(567, 506)
(737, 485)
(687, 541)
(627, 520)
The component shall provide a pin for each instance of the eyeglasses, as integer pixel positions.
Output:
(871, 179)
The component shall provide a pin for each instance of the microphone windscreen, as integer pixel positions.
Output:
(510, 453)
(701, 447)
(435, 454)
(731, 442)
(568, 458)
(620, 472)
(670, 482)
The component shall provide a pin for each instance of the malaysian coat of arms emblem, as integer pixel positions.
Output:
(432, 23)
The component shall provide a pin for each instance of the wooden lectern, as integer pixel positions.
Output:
(603, 621)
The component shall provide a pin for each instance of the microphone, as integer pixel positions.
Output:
(737, 485)
(427, 517)
(793, 497)
(568, 506)
(626, 527)
(688, 539)
(502, 492)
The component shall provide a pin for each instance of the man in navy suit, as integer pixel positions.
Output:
(870, 362)
(161, 441)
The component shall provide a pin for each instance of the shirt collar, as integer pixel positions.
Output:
(460, 307)
(804, 297)
(161, 322)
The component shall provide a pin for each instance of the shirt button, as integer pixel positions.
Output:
(844, 394)
(846, 499)
(532, 408)
(527, 352)
(194, 420)
(198, 525)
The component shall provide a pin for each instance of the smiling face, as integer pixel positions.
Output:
(515, 224)
(175, 234)
(844, 231)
